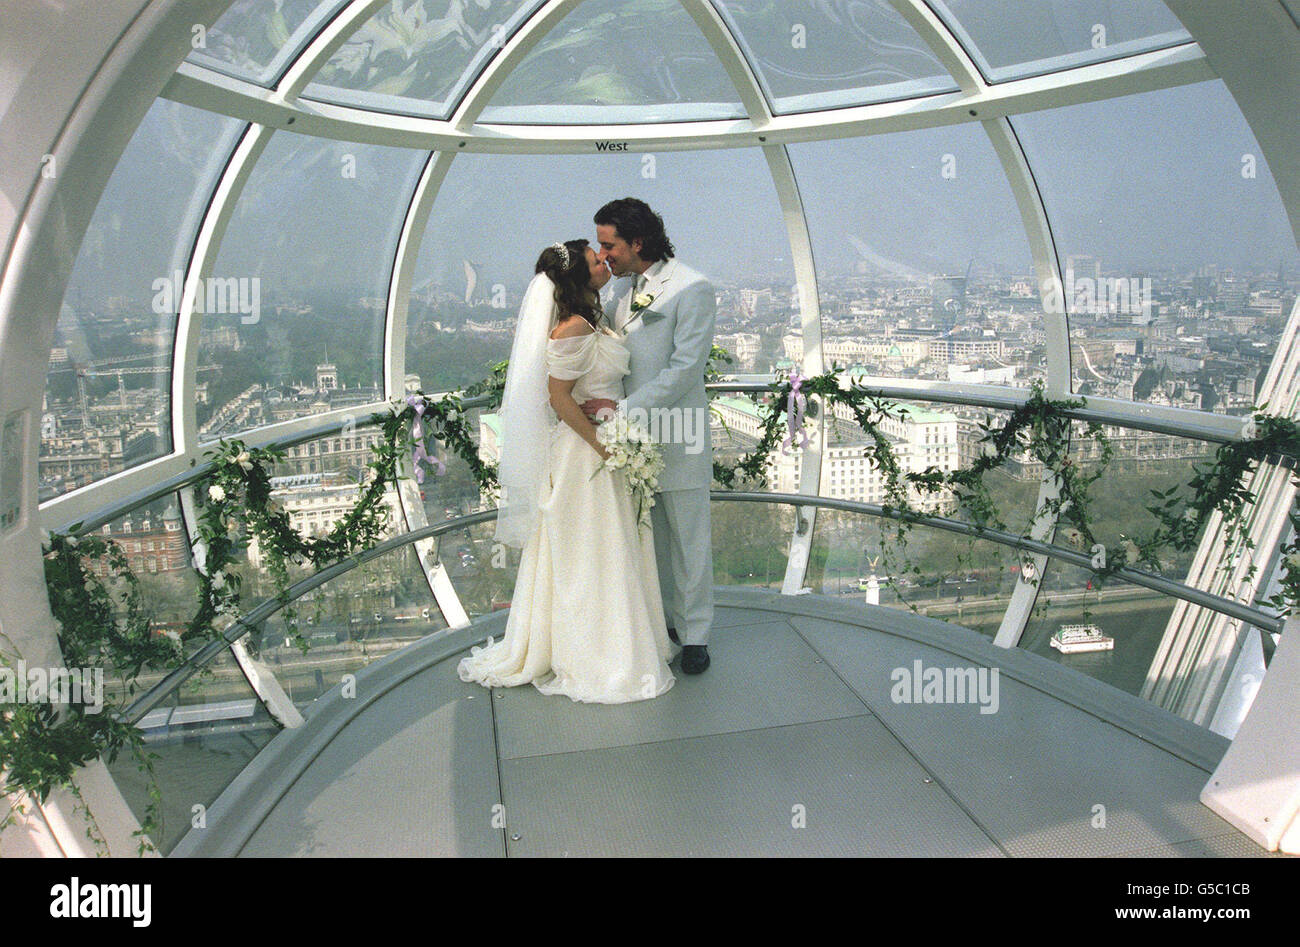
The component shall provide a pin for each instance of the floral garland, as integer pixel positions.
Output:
(103, 622)
(1039, 428)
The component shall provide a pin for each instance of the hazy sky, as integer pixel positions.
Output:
(1145, 180)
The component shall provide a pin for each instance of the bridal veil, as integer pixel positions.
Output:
(524, 470)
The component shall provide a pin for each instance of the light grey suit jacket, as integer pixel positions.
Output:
(669, 343)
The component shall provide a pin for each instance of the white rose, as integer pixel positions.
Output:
(1293, 560)
(244, 460)
(215, 492)
(641, 300)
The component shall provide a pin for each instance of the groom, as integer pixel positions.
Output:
(666, 318)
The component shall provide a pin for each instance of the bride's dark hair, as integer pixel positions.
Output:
(573, 293)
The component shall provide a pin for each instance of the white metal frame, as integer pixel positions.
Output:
(1144, 72)
(805, 271)
(408, 249)
(1047, 272)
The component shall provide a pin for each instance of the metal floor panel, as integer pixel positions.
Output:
(1032, 772)
(762, 675)
(735, 794)
(795, 711)
(414, 775)
(735, 617)
(1223, 846)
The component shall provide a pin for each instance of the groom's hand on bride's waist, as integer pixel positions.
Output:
(599, 409)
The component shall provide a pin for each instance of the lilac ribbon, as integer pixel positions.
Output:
(794, 407)
(420, 454)
(417, 434)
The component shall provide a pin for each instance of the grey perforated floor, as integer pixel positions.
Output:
(795, 742)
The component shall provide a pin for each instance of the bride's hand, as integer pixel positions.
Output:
(598, 409)
(604, 454)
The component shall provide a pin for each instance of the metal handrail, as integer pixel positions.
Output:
(199, 471)
(242, 626)
(996, 400)
(1247, 613)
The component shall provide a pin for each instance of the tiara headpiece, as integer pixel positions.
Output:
(564, 253)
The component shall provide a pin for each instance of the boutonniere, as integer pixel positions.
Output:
(641, 301)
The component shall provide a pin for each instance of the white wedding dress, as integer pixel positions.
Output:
(586, 618)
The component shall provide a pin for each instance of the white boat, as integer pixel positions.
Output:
(1072, 639)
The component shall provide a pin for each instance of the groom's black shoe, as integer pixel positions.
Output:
(695, 658)
(672, 636)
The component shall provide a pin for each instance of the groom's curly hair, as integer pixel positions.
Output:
(633, 219)
(573, 293)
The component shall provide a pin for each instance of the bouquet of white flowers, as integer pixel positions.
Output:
(632, 451)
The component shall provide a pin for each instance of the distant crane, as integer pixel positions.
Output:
(90, 372)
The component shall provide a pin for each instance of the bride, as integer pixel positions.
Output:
(586, 618)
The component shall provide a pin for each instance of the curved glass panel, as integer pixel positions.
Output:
(317, 486)
(349, 622)
(751, 543)
(410, 62)
(214, 725)
(1135, 618)
(495, 213)
(627, 61)
(962, 580)
(957, 579)
(202, 738)
(1011, 39)
(256, 39)
(1174, 245)
(832, 55)
(480, 570)
(295, 306)
(108, 389)
(923, 267)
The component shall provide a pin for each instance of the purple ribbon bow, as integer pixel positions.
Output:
(417, 434)
(794, 408)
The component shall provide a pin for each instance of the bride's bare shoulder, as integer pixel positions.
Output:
(572, 327)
